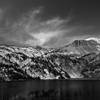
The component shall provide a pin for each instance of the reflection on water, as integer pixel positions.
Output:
(50, 90)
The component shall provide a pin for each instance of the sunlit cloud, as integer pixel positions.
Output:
(30, 29)
(42, 32)
(43, 37)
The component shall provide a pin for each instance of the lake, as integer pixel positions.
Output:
(50, 90)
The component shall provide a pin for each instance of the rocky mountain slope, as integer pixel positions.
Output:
(81, 47)
(80, 59)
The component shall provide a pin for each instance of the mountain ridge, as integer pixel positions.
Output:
(80, 59)
(93, 38)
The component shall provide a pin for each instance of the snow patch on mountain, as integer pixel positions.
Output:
(93, 38)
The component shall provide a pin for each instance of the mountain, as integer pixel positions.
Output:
(79, 59)
(93, 38)
(81, 47)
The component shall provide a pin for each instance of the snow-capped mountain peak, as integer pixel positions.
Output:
(93, 38)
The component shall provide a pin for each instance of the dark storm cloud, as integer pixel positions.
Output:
(48, 23)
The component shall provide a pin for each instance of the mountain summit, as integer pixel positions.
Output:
(93, 38)
(81, 47)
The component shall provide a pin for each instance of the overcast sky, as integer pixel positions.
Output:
(50, 23)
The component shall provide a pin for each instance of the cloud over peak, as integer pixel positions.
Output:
(42, 31)
(32, 30)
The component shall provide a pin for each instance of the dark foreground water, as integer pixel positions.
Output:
(50, 90)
